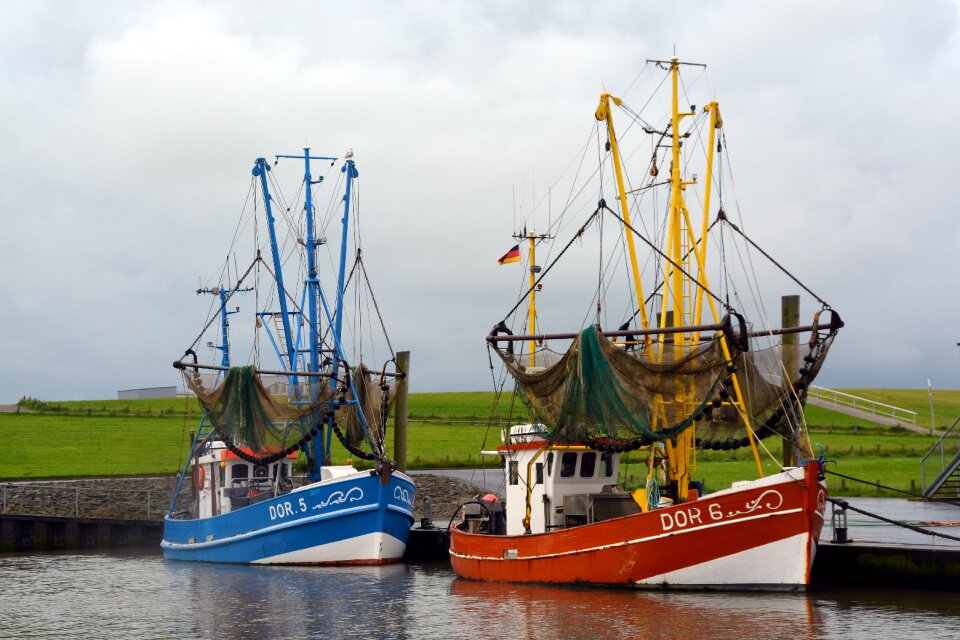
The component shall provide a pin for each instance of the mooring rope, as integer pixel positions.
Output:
(876, 484)
(843, 504)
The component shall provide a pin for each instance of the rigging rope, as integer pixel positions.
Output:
(213, 318)
(766, 255)
(577, 235)
(363, 269)
(666, 257)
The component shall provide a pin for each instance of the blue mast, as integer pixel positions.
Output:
(351, 172)
(313, 286)
(260, 169)
(311, 247)
(224, 294)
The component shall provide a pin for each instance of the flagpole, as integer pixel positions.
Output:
(533, 270)
(533, 295)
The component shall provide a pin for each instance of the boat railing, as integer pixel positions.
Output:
(840, 399)
(937, 453)
(71, 500)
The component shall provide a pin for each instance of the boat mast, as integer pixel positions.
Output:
(351, 172)
(224, 294)
(337, 321)
(311, 282)
(532, 238)
(681, 243)
(260, 170)
(604, 114)
(313, 286)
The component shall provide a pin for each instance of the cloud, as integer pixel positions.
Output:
(131, 131)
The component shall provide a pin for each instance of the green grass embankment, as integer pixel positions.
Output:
(133, 437)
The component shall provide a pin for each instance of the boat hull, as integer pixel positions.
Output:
(348, 520)
(760, 535)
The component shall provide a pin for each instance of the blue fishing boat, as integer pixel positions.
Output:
(241, 496)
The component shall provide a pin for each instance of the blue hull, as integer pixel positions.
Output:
(347, 520)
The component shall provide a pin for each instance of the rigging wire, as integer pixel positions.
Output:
(664, 256)
(554, 262)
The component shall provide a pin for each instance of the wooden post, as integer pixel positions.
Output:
(400, 412)
(790, 317)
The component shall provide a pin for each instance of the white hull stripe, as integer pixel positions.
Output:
(780, 564)
(277, 527)
(630, 542)
(367, 547)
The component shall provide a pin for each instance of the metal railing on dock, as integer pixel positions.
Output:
(71, 500)
(840, 399)
(937, 453)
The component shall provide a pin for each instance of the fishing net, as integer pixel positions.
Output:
(598, 389)
(271, 413)
(245, 412)
(375, 401)
(773, 382)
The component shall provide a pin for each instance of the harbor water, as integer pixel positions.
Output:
(139, 595)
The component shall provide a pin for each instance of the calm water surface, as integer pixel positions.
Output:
(139, 595)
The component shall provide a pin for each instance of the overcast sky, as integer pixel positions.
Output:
(129, 130)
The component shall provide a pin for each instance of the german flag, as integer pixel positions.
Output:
(510, 256)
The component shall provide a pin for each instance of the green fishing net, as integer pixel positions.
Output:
(600, 389)
(248, 413)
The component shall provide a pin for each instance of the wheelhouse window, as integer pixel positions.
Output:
(514, 473)
(606, 464)
(240, 471)
(568, 464)
(539, 479)
(588, 464)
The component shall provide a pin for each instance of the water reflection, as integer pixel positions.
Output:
(141, 596)
(576, 612)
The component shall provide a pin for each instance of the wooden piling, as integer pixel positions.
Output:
(790, 317)
(400, 411)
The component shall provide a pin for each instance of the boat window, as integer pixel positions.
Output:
(588, 465)
(514, 473)
(539, 479)
(240, 471)
(606, 464)
(568, 464)
(549, 463)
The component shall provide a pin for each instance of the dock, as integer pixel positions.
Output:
(913, 566)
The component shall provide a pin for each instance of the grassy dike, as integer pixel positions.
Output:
(133, 437)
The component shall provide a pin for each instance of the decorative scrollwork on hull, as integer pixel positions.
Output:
(774, 500)
(339, 497)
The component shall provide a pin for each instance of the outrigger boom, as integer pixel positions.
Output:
(665, 330)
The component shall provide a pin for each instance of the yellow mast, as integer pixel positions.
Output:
(604, 114)
(676, 289)
(679, 301)
(532, 327)
(534, 269)
(679, 227)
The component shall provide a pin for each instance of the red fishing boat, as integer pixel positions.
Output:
(691, 377)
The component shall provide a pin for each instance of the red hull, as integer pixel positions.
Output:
(761, 536)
